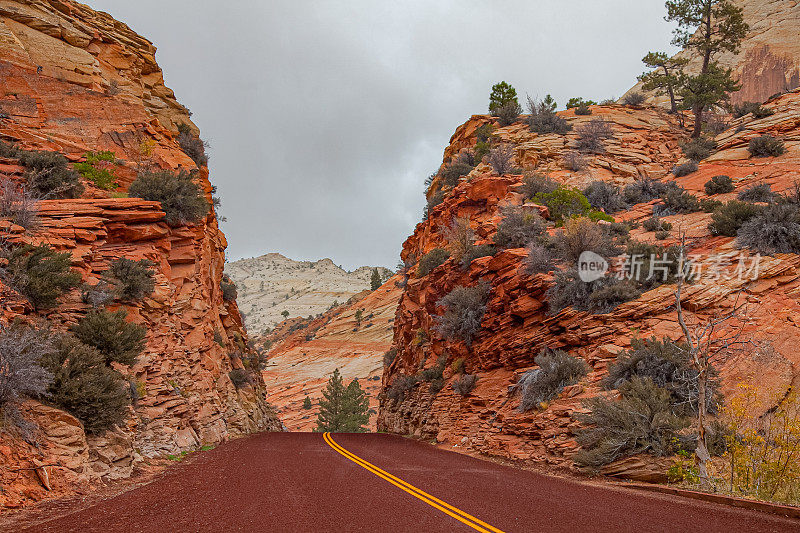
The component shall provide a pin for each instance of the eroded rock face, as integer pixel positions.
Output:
(303, 358)
(271, 284)
(517, 324)
(99, 88)
(769, 62)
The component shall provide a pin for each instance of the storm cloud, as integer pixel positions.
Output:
(325, 118)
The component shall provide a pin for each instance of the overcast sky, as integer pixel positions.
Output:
(325, 118)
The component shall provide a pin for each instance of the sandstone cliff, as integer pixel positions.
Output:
(517, 324)
(271, 284)
(71, 80)
(305, 354)
(769, 62)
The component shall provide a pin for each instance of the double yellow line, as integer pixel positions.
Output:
(444, 507)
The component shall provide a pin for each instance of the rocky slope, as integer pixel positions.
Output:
(769, 62)
(271, 284)
(73, 80)
(517, 324)
(305, 353)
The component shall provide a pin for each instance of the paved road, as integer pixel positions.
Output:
(302, 482)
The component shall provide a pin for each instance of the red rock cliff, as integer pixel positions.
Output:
(71, 80)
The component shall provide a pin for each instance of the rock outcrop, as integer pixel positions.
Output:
(517, 324)
(73, 80)
(271, 284)
(305, 354)
(769, 62)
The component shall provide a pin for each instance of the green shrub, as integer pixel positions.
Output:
(645, 190)
(699, 148)
(668, 364)
(435, 372)
(40, 274)
(464, 310)
(642, 421)
(605, 196)
(181, 198)
(592, 136)
(388, 357)
(557, 369)
(727, 219)
(677, 200)
(431, 260)
(502, 94)
(661, 235)
(83, 385)
(518, 228)
(766, 146)
(134, 279)
(685, 169)
(760, 192)
(307, 403)
(775, 229)
(583, 110)
(464, 384)
(565, 202)
(103, 178)
(578, 102)
(709, 206)
(634, 99)
(454, 171)
(534, 184)
(229, 290)
(21, 374)
(755, 108)
(9, 150)
(240, 377)
(656, 224)
(719, 185)
(49, 176)
(475, 252)
(435, 199)
(108, 332)
(192, 145)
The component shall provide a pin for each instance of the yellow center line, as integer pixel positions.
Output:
(444, 507)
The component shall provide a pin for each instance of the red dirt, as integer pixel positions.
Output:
(293, 482)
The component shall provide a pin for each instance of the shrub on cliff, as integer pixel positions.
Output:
(565, 202)
(727, 219)
(634, 99)
(85, 386)
(605, 196)
(645, 190)
(592, 136)
(668, 365)
(557, 369)
(400, 386)
(49, 176)
(656, 224)
(677, 200)
(533, 184)
(181, 198)
(685, 169)
(388, 357)
(453, 172)
(476, 252)
(775, 229)
(500, 159)
(464, 310)
(133, 279)
(192, 145)
(641, 421)
(745, 108)
(766, 146)
(760, 192)
(240, 377)
(508, 113)
(583, 235)
(518, 228)
(699, 148)
(652, 265)
(91, 170)
(115, 338)
(719, 185)
(19, 204)
(599, 296)
(539, 260)
(543, 118)
(464, 384)
(431, 260)
(229, 290)
(21, 374)
(40, 274)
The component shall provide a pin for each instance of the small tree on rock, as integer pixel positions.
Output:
(342, 409)
(375, 282)
(665, 76)
(502, 94)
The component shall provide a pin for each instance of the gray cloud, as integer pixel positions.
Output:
(325, 118)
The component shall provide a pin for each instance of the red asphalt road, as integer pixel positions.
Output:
(295, 482)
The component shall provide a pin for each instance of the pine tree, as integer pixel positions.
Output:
(342, 409)
(502, 94)
(376, 281)
(665, 77)
(307, 402)
(709, 28)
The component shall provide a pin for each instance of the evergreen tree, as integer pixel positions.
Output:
(342, 409)
(665, 77)
(307, 402)
(376, 280)
(359, 317)
(709, 28)
(502, 94)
